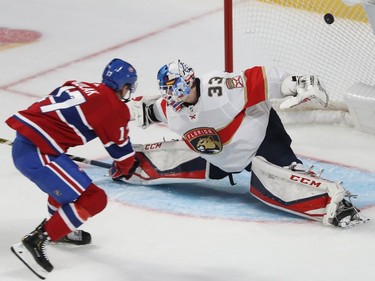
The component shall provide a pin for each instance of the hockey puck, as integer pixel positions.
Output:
(329, 18)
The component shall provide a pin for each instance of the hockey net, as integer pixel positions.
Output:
(293, 35)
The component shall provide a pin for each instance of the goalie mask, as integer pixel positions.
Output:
(175, 81)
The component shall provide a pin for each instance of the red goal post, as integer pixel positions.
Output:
(228, 35)
(299, 37)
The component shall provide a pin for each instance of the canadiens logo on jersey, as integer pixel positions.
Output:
(234, 82)
(204, 140)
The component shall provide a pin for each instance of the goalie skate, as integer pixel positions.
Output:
(347, 215)
(25, 256)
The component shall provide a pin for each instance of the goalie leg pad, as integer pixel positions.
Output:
(160, 167)
(295, 192)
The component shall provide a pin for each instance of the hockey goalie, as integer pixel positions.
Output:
(228, 125)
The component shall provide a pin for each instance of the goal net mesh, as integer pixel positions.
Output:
(293, 35)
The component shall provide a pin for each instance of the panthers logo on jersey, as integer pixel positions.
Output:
(204, 140)
(234, 82)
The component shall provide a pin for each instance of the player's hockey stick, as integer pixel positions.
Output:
(73, 157)
(90, 161)
(156, 146)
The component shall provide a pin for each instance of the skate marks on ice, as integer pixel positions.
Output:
(218, 199)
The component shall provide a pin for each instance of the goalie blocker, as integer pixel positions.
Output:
(298, 192)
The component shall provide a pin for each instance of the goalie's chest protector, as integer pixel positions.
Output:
(222, 127)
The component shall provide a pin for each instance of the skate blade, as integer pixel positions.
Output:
(24, 255)
(354, 223)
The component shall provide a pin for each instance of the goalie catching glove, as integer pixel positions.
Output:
(302, 89)
(141, 110)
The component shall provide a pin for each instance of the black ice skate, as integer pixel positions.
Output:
(77, 237)
(32, 251)
(347, 215)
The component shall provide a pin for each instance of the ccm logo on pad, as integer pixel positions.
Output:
(304, 180)
(153, 146)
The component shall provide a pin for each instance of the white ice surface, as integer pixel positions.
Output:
(130, 243)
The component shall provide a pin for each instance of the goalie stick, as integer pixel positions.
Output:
(175, 144)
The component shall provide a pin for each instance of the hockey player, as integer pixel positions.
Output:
(71, 115)
(227, 120)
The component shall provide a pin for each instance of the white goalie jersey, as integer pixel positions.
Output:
(228, 124)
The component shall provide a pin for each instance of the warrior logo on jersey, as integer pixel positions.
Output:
(234, 82)
(204, 140)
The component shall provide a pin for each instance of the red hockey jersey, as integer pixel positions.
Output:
(74, 114)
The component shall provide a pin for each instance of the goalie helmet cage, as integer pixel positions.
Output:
(296, 36)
